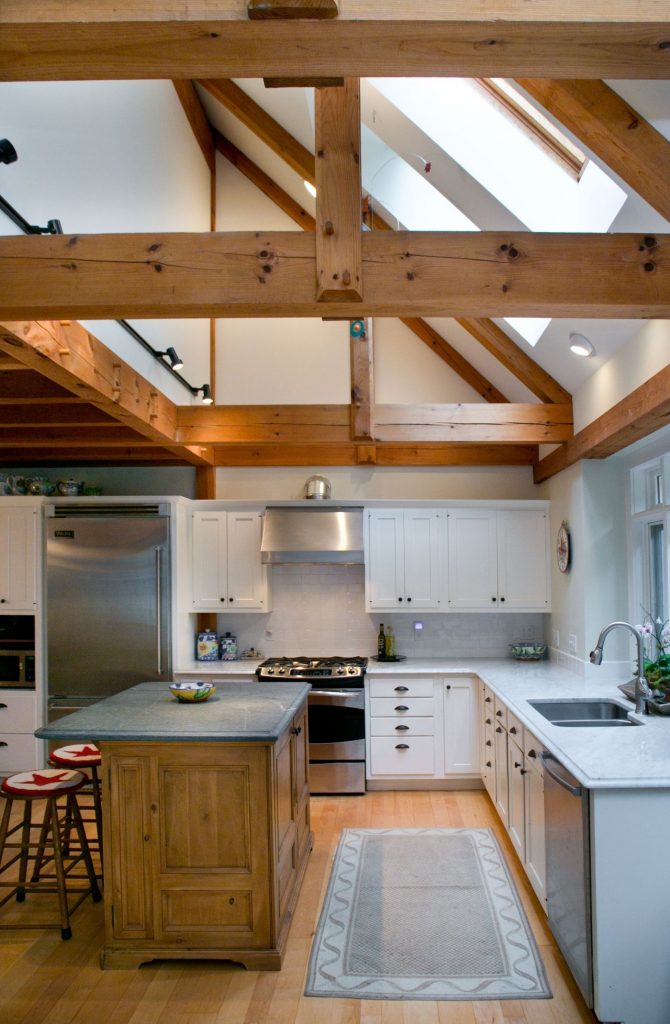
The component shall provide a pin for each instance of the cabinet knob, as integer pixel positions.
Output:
(524, 771)
(402, 728)
(402, 746)
(502, 599)
(487, 721)
(400, 598)
(499, 714)
(297, 730)
(531, 753)
(3, 600)
(401, 707)
(512, 729)
(489, 765)
(517, 764)
(231, 598)
(222, 599)
(448, 686)
(489, 743)
(408, 600)
(401, 689)
(494, 598)
(487, 700)
(500, 729)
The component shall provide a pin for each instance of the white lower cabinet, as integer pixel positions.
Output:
(422, 728)
(19, 750)
(512, 773)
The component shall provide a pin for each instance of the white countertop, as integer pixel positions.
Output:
(600, 758)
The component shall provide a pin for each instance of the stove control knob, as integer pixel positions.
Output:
(281, 671)
(340, 671)
(271, 671)
(351, 670)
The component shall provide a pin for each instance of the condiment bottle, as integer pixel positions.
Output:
(390, 642)
(381, 642)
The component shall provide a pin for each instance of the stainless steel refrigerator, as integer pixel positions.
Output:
(108, 601)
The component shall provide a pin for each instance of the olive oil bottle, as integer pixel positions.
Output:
(381, 642)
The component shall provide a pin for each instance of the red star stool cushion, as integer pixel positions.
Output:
(77, 755)
(43, 783)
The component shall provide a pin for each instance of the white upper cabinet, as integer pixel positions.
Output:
(498, 560)
(403, 560)
(18, 559)
(227, 574)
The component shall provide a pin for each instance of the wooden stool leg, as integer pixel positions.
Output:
(97, 803)
(41, 845)
(65, 930)
(25, 841)
(79, 826)
(5, 824)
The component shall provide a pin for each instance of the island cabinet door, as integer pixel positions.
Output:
(127, 832)
(286, 820)
(212, 846)
(300, 741)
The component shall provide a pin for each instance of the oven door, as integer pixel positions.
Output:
(17, 668)
(336, 724)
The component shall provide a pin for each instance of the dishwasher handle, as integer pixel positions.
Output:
(546, 758)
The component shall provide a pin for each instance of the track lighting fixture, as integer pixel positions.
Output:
(206, 394)
(8, 154)
(175, 362)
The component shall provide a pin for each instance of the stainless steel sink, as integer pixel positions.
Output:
(583, 713)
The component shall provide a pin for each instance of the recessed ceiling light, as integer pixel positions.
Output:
(310, 188)
(581, 346)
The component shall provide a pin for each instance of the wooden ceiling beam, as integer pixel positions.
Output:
(252, 274)
(279, 141)
(100, 456)
(339, 268)
(380, 454)
(642, 412)
(264, 10)
(66, 354)
(611, 129)
(131, 39)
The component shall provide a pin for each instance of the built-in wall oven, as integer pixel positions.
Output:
(336, 718)
(17, 651)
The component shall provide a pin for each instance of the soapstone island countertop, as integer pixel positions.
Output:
(254, 712)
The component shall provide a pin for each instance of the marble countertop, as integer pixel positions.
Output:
(251, 713)
(600, 758)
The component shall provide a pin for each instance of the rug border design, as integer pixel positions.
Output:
(526, 977)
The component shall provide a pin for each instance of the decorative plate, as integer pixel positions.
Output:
(563, 547)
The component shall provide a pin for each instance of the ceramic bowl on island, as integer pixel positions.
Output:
(528, 650)
(192, 692)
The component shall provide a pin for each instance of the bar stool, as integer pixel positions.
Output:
(47, 784)
(80, 756)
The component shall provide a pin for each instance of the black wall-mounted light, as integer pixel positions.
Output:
(175, 362)
(206, 392)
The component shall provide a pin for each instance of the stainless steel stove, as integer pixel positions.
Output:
(336, 717)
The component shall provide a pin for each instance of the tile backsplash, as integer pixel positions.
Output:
(320, 610)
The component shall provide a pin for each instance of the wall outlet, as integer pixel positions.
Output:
(572, 643)
(555, 639)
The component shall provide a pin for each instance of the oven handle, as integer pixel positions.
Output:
(353, 698)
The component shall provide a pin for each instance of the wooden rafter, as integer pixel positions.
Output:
(43, 40)
(253, 274)
(643, 411)
(377, 454)
(616, 133)
(67, 355)
(487, 333)
(200, 126)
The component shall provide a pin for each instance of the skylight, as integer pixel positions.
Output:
(498, 151)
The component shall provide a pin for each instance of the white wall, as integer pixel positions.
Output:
(111, 157)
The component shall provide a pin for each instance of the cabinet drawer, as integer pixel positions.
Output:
(489, 745)
(17, 711)
(487, 700)
(500, 712)
(514, 727)
(390, 755)
(532, 748)
(407, 727)
(19, 752)
(390, 707)
(401, 687)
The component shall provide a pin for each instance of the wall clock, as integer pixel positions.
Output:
(563, 547)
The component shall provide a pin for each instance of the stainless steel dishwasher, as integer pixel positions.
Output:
(568, 851)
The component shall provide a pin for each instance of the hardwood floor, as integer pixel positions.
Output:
(46, 981)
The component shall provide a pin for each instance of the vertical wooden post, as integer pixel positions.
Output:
(362, 380)
(339, 273)
(205, 482)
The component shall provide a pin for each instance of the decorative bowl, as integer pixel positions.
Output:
(528, 650)
(192, 692)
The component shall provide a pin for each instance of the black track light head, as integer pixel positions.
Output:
(8, 154)
(175, 362)
(206, 394)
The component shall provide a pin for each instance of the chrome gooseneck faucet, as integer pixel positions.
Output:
(642, 691)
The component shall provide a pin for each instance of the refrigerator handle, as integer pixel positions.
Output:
(159, 663)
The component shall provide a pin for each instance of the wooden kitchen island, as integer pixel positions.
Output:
(206, 820)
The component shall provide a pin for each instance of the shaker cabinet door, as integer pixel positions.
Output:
(523, 571)
(210, 561)
(422, 560)
(473, 569)
(246, 575)
(18, 559)
(461, 727)
(386, 561)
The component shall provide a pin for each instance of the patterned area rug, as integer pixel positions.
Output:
(423, 914)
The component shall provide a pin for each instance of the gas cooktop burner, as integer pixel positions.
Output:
(312, 668)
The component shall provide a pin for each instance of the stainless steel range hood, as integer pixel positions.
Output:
(331, 536)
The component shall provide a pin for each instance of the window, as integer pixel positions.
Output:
(651, 537)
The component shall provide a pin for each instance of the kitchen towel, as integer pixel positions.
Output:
(423, 914)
